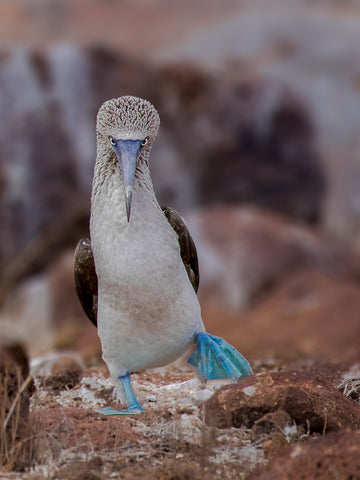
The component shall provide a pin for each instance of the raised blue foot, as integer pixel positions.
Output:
(215, 358)
(133, 406)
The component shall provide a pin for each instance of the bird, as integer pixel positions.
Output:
(137, 276)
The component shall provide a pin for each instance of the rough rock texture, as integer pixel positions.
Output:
(308, 398)
(331, 456)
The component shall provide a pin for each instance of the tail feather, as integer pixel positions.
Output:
(215, 359)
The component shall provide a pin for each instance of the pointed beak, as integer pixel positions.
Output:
(127, 152)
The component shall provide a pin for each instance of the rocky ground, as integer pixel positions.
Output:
(287, 423)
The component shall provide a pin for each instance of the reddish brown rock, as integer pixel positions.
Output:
(309, 399)
(335, 455)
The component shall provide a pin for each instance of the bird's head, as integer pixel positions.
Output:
(126, 128)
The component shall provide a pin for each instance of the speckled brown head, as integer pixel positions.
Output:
(127, 126)
(127, 118)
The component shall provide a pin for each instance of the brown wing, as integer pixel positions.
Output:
(187, 245)
(86, 279)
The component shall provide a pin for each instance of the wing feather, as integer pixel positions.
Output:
(187, 246)
(86, 279)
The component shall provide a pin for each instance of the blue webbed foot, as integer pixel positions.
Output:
(113, 411)
(215, 359)
(133, 406)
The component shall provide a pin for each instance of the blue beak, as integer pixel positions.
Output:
(127, 152)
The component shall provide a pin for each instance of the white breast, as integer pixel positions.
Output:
(148, 312)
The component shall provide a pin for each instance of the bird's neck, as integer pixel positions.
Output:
(108, 195)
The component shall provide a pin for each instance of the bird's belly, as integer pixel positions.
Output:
(146, 328)
(147, 316)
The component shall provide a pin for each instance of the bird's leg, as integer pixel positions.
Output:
(215, 358)
(133, 405)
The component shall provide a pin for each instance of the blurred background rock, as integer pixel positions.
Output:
(258, 149)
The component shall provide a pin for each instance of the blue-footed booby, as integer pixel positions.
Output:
(138, 276)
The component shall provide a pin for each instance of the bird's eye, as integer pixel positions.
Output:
(112, 141)
(145, 141)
